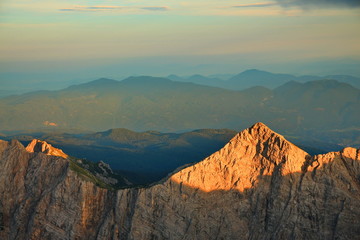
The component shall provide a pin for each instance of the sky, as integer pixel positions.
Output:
(71, 40)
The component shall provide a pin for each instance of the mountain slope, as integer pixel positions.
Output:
(146, 157)
(159, 104)
(143, 157)
(139, 103)
(254, 77)
(252, 153)
(313, 103)
(353, 81)
(200, 79)
(259, 186)
(99, 172)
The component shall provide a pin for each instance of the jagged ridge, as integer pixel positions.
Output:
(251, 153)
(41, 146)
(259, 186)
(99, 173)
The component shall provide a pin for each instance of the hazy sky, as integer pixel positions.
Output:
(63, 39)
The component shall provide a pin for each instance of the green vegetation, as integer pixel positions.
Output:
(90, 170)
(87, 175)
(144, 103)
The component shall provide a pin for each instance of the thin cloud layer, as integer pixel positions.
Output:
(319, 3)
(91, 8)
(256, 5)
(304, 4)
(104, 7)
(111, 8)
(155, 8)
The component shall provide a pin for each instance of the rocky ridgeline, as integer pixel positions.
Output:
(100, 173)
(44, 147)
(259, 186)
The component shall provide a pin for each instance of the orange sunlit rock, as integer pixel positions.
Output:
(44, 147)
(47, 123)
(243, 160)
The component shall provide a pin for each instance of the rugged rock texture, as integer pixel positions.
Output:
(259, 186)
(44, 147)
(99, 172)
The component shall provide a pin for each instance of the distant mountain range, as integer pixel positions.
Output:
(254, 77)
(149, 103)
(249, 78)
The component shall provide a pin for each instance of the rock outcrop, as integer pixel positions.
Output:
(259, 186)
(44, 147)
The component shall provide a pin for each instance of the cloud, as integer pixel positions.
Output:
(67, 9)
(90, 8)
(155, 8)
(256, 5)
(305, 4)
(110, 8)
(104, 7)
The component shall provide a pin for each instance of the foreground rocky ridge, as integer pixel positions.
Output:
(259, 186)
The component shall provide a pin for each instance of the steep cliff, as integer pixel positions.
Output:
(259, 186)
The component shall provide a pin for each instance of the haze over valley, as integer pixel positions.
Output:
(151, 103)
(318, 115)
(140, 120)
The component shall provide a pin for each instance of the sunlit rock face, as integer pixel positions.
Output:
(44, 147)
(259, 186)
(240, 164)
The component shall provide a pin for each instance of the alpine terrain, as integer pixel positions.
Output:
(258, 186)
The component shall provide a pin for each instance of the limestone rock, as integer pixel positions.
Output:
(259, 186)
(44, 147)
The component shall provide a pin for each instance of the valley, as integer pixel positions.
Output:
(322, 107)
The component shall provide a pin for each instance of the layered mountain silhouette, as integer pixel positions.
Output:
(255, 77)
(142, 103)
(258, 186)
(12, 85)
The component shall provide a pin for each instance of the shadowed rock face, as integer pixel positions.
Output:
(259, 186)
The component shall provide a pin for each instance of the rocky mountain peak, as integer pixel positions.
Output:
(351, 153)
(260, 129)
(251, 154)
(41, 146)
(258, 186)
